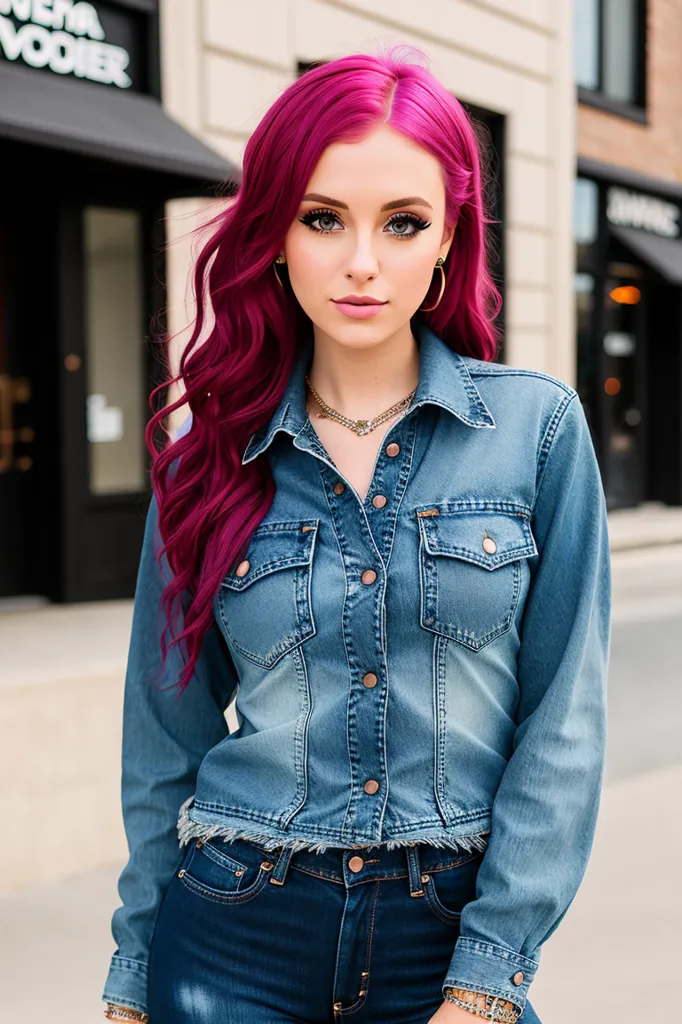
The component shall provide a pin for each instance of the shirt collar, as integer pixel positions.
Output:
(444, 380)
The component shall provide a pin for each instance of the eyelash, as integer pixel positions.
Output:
(419, 224)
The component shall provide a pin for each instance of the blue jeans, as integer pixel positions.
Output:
(250, 936)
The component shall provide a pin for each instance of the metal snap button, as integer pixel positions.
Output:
(518, 978)
(339, 487)
(392, 448)
(371, 786)
(379, 500)
(243, 567)
(369, 679)
(489, 545)
(356, 864)
(368, 576)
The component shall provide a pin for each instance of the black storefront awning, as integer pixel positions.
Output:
(662, 254)
(106, 123)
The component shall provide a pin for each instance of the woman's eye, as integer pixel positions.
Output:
(322, 216)
(408, 220)
(407, 225)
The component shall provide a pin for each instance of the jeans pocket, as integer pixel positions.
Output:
(225, 872)
(447, 891)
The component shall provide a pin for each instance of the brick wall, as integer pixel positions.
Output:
(654, 149)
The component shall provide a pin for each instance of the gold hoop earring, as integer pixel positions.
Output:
(280, 259)
(439, 266)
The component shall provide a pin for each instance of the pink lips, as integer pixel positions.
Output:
(358, 307)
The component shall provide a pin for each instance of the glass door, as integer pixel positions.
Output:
(624, 383)
(114, 364)
(25, 520)
(108, 300)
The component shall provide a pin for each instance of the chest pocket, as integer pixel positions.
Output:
(267, 611)
(473, 568)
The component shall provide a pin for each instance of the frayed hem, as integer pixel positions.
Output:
(189, 830)
(468, 844)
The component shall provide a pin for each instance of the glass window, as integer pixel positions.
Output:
(585, 218)
(114, 350)
(620, 53)
(609, 48)
(586, 20)
(621, 373)
(584, 285)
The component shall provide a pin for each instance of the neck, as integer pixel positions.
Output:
(361, 381)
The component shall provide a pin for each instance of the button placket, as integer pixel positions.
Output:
(364, 624)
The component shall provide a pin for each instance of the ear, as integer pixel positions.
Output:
(447, 239)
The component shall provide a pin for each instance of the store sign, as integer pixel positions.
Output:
(63, 36)
(638, 210)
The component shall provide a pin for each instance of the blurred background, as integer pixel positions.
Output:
(118, 123)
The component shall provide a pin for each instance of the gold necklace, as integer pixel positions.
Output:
(359, 426)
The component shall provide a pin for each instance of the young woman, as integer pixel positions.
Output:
(394, 550)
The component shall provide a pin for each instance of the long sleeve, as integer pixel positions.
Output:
(165, 738)
(542, 833)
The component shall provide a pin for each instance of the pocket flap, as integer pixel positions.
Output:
(460, 534)
(275, 546)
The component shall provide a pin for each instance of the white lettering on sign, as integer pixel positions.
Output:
(64, 36)
(633, 209)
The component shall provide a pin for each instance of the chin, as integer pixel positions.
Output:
(358, 335)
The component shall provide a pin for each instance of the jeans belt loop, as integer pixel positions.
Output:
(414, 871)
(279, 872)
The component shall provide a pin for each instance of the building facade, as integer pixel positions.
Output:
(118, 119)
(89, 157)
(508, 61)
(628, 240)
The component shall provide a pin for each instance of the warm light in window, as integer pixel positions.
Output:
(627, 295)
(611, 385)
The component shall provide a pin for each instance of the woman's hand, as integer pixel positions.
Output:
(448, 1013)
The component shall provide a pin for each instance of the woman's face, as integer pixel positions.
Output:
(371, 223)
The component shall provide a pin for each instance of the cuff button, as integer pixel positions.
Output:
(518, 978)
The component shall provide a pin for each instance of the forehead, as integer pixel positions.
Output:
(382, 166)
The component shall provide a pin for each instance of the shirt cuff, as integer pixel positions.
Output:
(127, 983)
(490, 969)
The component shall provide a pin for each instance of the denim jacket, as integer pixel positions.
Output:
(446, 638)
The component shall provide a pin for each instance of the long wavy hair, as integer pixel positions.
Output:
(208, 502)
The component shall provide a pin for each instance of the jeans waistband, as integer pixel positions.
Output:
(359, 865)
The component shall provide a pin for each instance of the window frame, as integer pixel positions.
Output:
(637, 110)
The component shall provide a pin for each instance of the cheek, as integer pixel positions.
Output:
(410, 277)
(308, 270)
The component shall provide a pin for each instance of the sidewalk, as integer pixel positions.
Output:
(651, 523)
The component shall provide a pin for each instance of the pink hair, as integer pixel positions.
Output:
(208, 503)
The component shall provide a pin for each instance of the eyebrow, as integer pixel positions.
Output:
(394, 204)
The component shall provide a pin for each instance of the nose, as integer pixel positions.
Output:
(362, 262)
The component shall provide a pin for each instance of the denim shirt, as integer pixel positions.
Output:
(446, 638)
